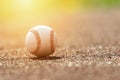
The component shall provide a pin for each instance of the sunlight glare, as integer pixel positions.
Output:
(24, 4)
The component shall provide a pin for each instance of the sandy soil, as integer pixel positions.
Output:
(90, 52)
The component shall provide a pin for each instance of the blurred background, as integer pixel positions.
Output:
(77, 22)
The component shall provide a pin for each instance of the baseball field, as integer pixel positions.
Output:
(88, 46)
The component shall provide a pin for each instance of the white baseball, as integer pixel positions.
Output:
(41, 41)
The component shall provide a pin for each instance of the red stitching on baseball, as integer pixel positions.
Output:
(52, 41)
(38, 39)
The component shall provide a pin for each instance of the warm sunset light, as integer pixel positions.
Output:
(22, 14)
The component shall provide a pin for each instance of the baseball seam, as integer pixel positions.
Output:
(38, 39)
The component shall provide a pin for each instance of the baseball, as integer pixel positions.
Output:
(41, 41)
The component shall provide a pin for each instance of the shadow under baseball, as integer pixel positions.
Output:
(47, 58)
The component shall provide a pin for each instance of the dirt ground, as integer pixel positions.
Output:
(88, 49)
